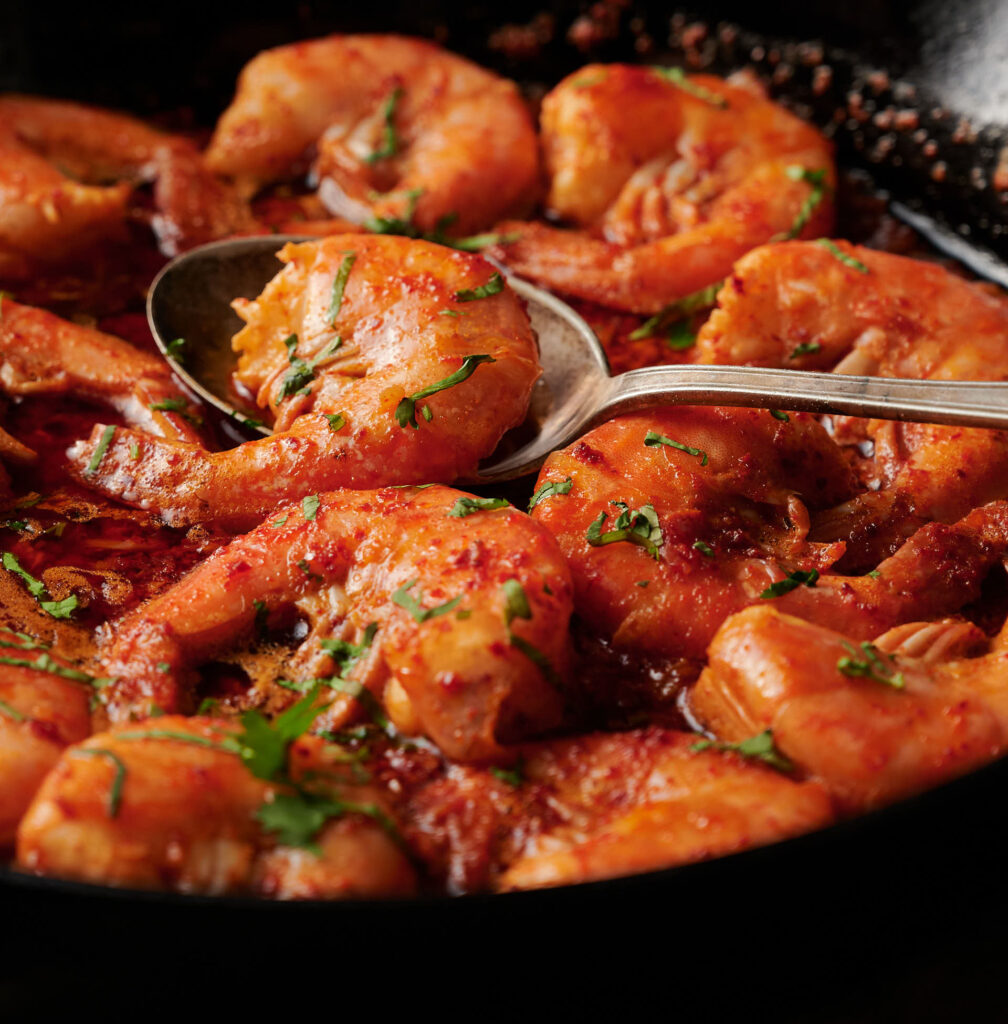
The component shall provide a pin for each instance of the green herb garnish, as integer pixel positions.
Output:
(516, 604)
(310, 506)
(512, 776)
(337, 421)
(99, 453)
(467, 506)
(549, 490)
(405, 412)
(37, 589)
(115, 790)
(390, 142)
(759, 747)
(652, 439)
(175, 350)
(870, 666)
(704, 549)
(817, 179)
(346, 654)
(791, 582)
(678, 310)
(778, 415)
(806, 348)
(677, 77)
(179, 405)
(411, 604)
(483, 291)
(844, 258)
(638, 526)
(339, 286)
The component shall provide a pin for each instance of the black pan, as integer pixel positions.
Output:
(886, 917)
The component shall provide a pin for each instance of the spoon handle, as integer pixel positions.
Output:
(965, 403)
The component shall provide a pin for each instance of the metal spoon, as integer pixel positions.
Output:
(191, 298)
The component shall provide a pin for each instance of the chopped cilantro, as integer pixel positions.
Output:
(115, 790)
(652, 439)
(467, 506)
(483, 291)
(549, 490)
(346, 654)
(870, 666)
(310, 506)
(405, 412)
(638, 526)
(759, 747)
(339, 286)
(411, 604)
(791, 582)
(806, 348)
(677, 77)
(99, 453)
(337, 421)
(390, 141)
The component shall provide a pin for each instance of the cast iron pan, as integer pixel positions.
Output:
(884, 917)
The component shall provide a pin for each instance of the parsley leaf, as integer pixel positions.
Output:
(806, 348)
(346, 654)
(483, 291)
(405, 412)
(310, 506)
(791, 582)
(99, 453)
(677, 77)
(638, 526)
(871, 666)
(37, 589)
(516, 602)
(337, 421)
(678, 310)
(467, 506)
(759, 747)
(411, 604)
(339, 286)
(390, 142)
(550, 489)
(653, 439)
(844, 258)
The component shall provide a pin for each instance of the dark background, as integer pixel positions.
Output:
(897, 916)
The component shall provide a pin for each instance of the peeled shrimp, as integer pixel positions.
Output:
(56, 159)
(41, 712)
(41, 354)
(799, 305)
(912, 722)
(681, 176)
(388, 115)
(163, 805)
(733, 515)
(471, 613)
(400, 327)
(645, 800)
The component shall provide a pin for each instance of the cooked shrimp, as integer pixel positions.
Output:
(646, 800)
(41, 712)
(471, 615)
(388, 115)
(41, 354)
(866, 312)
(717, 514)
(166, 804)
(681, 175)
(338, 374)
(871, 726)
(56, 160)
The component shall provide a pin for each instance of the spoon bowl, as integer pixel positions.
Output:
(191, 299)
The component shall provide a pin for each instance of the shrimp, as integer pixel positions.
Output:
(41, 354)
(715, 506)
(56, 159)
(43, 708)
(388, 115)
(681, 175)
(646, 800)
(409, 319)
(872, 726)
(455, 618)
(168, 804)
(803, 305)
